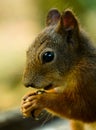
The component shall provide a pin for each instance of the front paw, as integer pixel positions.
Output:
(31, 104)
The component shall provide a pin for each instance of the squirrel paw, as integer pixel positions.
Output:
(30, 105)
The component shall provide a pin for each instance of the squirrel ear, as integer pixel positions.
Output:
(68, 20)
(53, 17)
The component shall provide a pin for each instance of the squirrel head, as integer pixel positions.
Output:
(53, 52)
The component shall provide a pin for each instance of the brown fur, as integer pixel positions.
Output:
(73, 69)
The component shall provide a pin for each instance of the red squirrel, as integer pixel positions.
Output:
(62, 61)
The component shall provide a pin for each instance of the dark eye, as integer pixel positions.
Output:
(47, 56)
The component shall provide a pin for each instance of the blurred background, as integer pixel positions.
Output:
(20, 22)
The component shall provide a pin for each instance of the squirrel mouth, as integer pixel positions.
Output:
(48, 87)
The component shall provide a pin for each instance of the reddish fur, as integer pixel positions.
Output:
(74, 70)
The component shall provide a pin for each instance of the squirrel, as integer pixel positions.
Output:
(61, 61)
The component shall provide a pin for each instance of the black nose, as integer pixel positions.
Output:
(29, 85)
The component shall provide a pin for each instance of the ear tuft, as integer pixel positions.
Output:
(52, 17)
(69, 20)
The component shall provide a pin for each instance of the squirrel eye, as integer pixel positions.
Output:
(47, 56)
